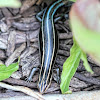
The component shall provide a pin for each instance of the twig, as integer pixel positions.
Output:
(21, 82)
(22, 89)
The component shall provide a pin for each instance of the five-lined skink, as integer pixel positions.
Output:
(50, 45)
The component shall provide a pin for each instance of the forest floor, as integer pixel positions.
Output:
(19, 37)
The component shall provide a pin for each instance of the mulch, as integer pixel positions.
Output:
(19, 37)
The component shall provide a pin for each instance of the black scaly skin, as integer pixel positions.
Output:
(50, 45)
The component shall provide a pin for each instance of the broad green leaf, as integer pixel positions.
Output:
(69, 67)
(85, 62)
(10, 3)
(73, 0)
(5, 72)
(85, 24)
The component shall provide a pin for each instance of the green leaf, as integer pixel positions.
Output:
(84, 58)
(73, 0)
(85, 62)
(71, 64)
(5, 72)
(85, 24)
(10, 3)
(69, 67)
